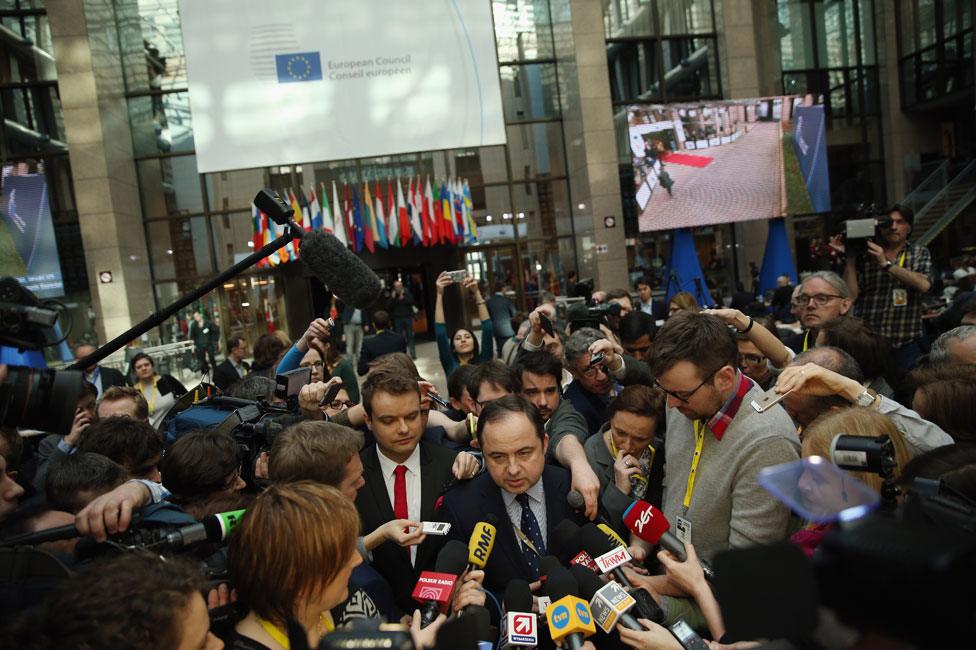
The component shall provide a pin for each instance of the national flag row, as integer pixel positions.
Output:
(424, 215)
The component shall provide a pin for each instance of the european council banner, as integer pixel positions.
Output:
(314, 81)
(810, 143)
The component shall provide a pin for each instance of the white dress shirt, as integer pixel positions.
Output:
(95, 378)
(412, 478)
(537, 504)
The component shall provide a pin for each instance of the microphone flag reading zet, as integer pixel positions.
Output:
(649, 523)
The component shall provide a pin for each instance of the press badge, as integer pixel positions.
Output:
(899, 297)
(683, 530)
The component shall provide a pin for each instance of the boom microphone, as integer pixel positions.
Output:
(435, 589)
(339, 269)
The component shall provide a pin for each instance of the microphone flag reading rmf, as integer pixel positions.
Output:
(480, 545)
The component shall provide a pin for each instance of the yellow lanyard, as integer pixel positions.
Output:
(282, 639)
(901, 260)
(699, 442)
(806, 340)
(152, 400)
(613, 454)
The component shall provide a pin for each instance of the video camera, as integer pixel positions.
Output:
(875, 455)
(581, 315)
(33, 398)
(866, 226)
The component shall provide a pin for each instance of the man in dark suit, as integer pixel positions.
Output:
(101, 377)
(231, 369)
(404, 478)
(526, 496)
(383, 342)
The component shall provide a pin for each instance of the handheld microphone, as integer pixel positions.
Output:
(339, 269)
(212, 529)
(568, 616)
(575, 500)
(612, 535)
(650, 524)
(568, 532)
(480, 545)
(607, 556)
(520, 625)
(609, 603)
(434, 589)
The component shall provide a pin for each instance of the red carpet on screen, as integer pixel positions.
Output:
(688, 160)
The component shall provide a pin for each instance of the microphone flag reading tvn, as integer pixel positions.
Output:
(298, 66)
(568, 616)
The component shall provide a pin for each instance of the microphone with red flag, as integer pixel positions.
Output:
(434, 589)
(650, 524)
(520, 627)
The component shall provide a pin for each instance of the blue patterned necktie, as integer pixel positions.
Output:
(530, 527)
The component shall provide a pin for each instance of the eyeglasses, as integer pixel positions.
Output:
(315, 364)
(341, 405)
(232, 481)
(685, 396)
(819, 299)
(754, 359)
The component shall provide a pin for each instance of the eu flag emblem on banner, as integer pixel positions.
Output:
(300, 66)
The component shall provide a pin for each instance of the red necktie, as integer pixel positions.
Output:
(400, 492)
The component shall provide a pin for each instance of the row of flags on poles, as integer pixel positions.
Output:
(363, 220)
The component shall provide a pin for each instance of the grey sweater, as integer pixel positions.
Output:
(728, 507)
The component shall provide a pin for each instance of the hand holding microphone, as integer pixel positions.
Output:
(650, 525)
(688, 576)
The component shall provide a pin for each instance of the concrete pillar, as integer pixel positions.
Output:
(96, 124)
(590, 138)
(748, 41)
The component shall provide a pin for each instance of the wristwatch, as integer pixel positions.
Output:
(865, 399)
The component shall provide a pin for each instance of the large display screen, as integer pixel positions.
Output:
(28, 250)
(716, 162)
(310, 80)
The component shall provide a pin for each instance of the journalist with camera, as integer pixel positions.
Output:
(888, 278)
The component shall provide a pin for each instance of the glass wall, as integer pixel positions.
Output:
(33, 144)
(828, 49)
(198, 225)
(935, 48)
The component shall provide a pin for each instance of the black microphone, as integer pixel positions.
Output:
(339, 269)
(595, 543)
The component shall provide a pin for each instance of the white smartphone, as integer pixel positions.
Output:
(435, 527)
(768, 400)
(457, 276)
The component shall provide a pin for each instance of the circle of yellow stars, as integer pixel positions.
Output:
(302, 75)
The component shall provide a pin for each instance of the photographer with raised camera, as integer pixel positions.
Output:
(887, 282)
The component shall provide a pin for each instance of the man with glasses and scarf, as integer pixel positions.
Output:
(716, 443)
